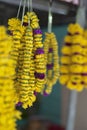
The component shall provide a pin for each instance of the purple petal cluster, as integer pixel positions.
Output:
(37, 31)
(39, 51)
(50, 50)
(19, 104)
(25, 23)
(49, 66)
(39, 75)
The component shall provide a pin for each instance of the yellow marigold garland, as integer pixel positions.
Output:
(51, 59)
(30, 72)
(40, 69)
(73, 61)
(24, 78)
(8, 113)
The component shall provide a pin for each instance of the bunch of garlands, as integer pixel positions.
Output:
(74, 59)
(28, 53)
(51, 60)
(8, 112)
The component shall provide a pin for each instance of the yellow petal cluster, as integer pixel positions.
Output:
(73, 67)
(27, 51)
(13, 24)
(75, 29)
(8, 112)
(52, 61)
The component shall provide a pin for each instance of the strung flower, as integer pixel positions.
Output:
(27, 51)
(40, 69)
(73, 60)
(13, 24)
(32, 17)
(51, 59)
(75, 29)
(25, 77)
(8, 112)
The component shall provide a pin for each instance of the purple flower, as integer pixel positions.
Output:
(50, 50)
(82, 82)
(19, 104)
(69, 33)
(68, 44)
(74, 83)
(25, 23)
(77, 33)
(39, 51)
(45, 94)
(49, 66)
(35, 93)
(39, 75)
(37, 31)
(84, 74)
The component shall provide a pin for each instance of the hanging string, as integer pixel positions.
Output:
(28, 2)
(24, 5)
(31, 9)
(50, 16)
(19, 8)
(28, 5)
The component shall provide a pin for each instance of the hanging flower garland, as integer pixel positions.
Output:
(74, 59)
(38, 51)
(29, 57)
(7, 92)
(51, 59)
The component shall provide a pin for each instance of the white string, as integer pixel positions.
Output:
(28, 11)
(24, 5)
(28, 5)
(50, 18)
(31, 9)
(19, 9)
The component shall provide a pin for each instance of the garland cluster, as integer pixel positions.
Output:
(7, 92)
(51, 59)
(29, 58)
(74, 59)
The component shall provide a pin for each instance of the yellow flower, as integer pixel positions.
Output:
(77, 59)
(71, 85)
(64, 79)
(65, 60)
(67, 39)
(77, 39)
(66, 50)
(76, 78)
(14, 23)
(8, 112)
(74, 60)
(64, 69)
(76, 49)
(75, 28)
(76, 69)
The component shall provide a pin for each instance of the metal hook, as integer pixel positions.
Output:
(50, 16)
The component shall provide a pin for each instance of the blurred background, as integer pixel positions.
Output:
(50, 113)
